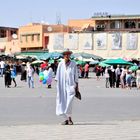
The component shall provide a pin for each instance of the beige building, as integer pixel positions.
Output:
(107, 23)
(109, 36)
(80, 25)
(9, 40)
(34, 36)
(104, 44)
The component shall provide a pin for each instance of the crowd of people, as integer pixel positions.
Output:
(83, 71)
(119, 76)
(116, 76)
(9, 70)
(9, 73)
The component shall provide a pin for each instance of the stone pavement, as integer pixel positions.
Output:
(124, 104)
(111, 130)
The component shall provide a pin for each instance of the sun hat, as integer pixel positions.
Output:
(67, 51)
(23, 63)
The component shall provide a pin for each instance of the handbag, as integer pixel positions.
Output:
(78, 95)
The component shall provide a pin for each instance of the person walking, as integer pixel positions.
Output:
(50, 75)
(86, 68)
(30, 76)
(2, 67)
(98, 72)
(7, 76)
(118, 73)
(129, 79)
(123, 77)
(23, 72)
(112, 77)
(13, 75)
(106, 77)
(138, 78)
(67, 84)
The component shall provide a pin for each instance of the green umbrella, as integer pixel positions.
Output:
(51, 61)
(87, 55)
(80, 62)
(44, 56)
(102, 64)
(37, 55)
(133, 68)
(51, 55)
(118, 61)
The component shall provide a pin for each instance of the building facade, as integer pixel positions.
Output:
(34, 36)
(8, 40)
(107, 36)
(105, 44)
(108, 23)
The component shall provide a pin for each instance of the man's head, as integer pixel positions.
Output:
(66, 54)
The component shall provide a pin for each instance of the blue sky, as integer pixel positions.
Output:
(15, 13)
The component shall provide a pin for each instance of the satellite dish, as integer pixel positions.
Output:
(14, 36)
(49, 29)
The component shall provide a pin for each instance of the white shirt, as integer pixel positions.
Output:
(2, 64)
(30, 72)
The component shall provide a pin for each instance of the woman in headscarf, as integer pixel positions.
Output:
(23, 72)
(7, 77)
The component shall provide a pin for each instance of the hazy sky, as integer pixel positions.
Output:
(15, 13)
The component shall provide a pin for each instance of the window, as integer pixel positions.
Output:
(139, 25)
(32, 38)
(26, 38)
(2, 33)
(115, 25)
(13, 32)
(112, 25)
(130, 24)
(38, 37)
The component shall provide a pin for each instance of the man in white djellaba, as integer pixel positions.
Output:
(67, 84)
